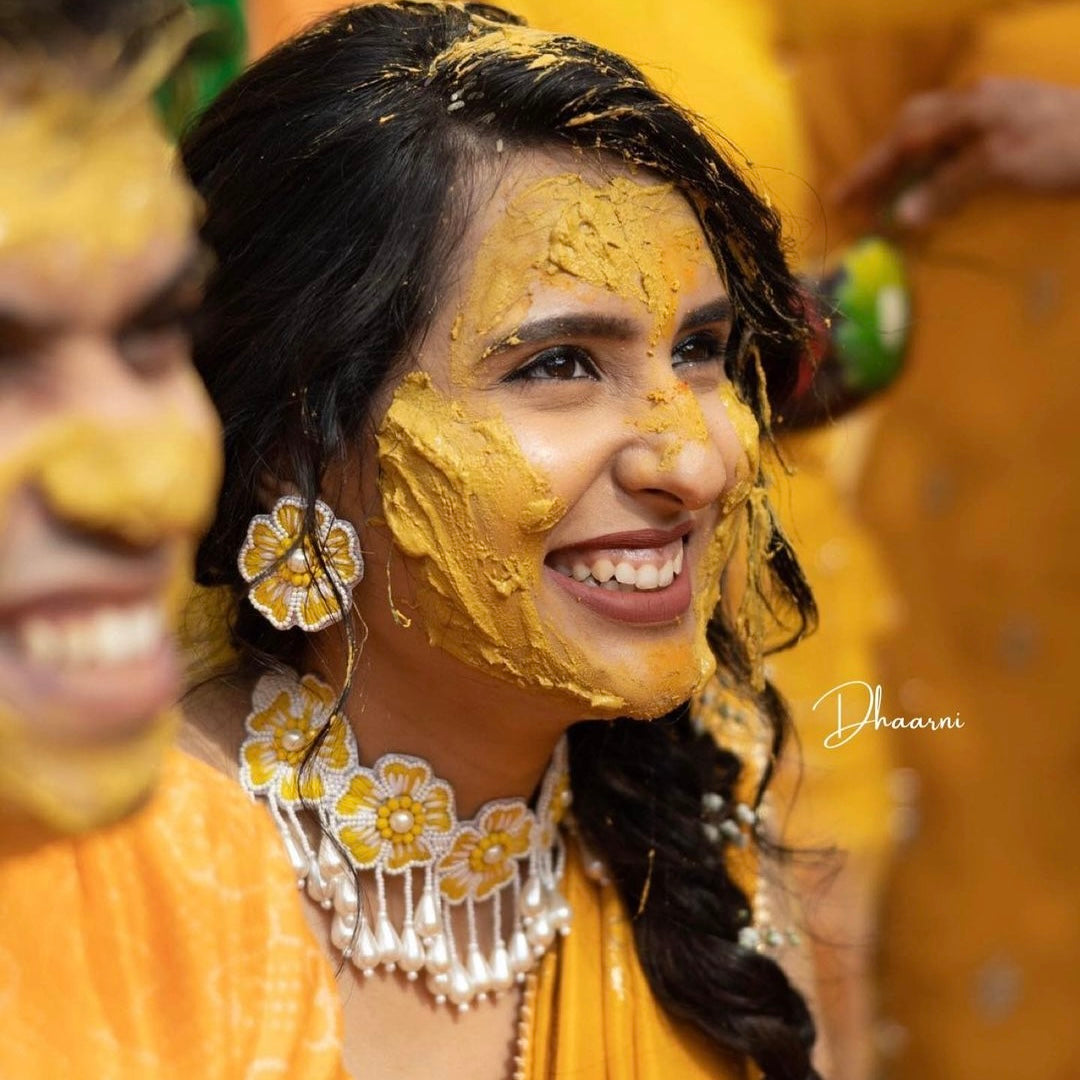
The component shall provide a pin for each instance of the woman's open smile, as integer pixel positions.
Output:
(637, 577)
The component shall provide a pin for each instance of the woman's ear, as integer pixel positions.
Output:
(270, 488)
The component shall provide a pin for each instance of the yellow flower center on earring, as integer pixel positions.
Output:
(400, 819)
(489, 852)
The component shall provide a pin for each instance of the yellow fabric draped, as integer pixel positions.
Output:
(594, 1016)
(171, 945)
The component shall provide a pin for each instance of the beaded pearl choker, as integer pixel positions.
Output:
(396, 822)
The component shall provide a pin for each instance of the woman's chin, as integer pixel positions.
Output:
(660, 680)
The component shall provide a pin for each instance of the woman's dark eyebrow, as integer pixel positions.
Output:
(602, 326)
(718, 310)
(569, 326)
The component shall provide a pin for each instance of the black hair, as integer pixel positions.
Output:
(335, 173)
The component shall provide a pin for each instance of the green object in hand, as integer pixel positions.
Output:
(871, 315)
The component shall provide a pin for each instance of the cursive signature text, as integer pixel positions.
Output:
(865, 700)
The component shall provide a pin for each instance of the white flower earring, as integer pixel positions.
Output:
(290, 584)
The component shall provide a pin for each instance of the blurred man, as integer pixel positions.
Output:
(141, 933)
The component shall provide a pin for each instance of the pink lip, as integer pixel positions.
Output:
(637, 538)
(646, 607)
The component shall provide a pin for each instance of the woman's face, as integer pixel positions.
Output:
(562, 471)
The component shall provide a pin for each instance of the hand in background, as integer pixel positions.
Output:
(949, 145)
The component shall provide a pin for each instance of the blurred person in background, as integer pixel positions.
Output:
(148, 924)
(954, 124)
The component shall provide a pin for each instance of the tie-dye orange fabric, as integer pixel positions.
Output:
(171, 945)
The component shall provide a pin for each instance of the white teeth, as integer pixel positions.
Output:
(648, 577)
(625, 576)
(79, 641)
(111, 635)
(40, 640)
(108, 636)
(603, 570)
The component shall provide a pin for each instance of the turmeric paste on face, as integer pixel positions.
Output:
(142, 484)
(89, 182)
(85, 180)
(473, 515)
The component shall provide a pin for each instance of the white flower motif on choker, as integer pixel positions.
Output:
(395, 819)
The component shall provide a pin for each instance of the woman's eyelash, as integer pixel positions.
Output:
(562, 363)
(567, 362)
(702, 347)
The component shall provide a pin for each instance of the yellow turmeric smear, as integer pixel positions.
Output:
(471, 515)
(139, 482)
(674, 411)
(626, 237)
(70, 789)
(467, 509)
(86, 178)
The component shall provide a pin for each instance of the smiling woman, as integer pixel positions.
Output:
(486, 295)
(610, 408)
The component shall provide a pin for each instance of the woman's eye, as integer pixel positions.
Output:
(563, 362)
(700, 348)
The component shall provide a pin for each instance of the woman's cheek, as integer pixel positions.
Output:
(558, 449)
(738, 433)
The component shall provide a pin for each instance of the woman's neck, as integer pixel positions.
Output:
(487, 738)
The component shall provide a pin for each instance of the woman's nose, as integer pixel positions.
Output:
(676, 454)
